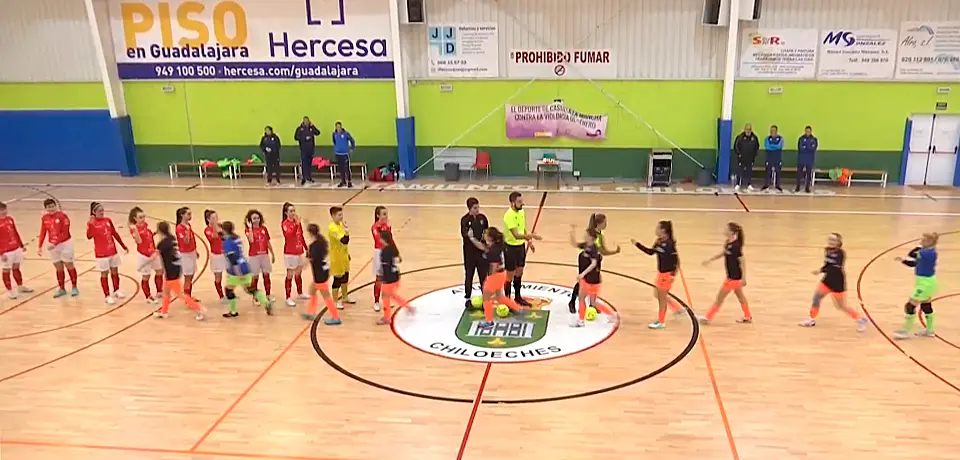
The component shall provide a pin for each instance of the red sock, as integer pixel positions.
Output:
(61, 279)
(746, 310)
(219, 286)
(158, 282)
(73, 276)
(188, 286)
(145, 285)
(105, 284)
(115, 277)
(287, 284)
(712, 312)
(376, 291)
(17, 276)
(255, 284)
(6, 281)
(298, 279)
(266, 283)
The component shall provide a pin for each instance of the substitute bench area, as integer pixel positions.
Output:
(860, 176)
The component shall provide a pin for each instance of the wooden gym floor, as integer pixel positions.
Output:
(83, 380)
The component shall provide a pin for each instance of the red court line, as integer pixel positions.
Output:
(713, 377)
(486, 371)
(36, 295)
(159, 451)
(880, 330)
(923, 322)
(51, 270)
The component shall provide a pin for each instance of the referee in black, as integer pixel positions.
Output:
(472, 226)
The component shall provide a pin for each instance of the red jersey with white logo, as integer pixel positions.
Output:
(186, 243)
(259, 239)
(376, 229)
(9, 236)
(146, 246)
(55, 227)
(104, 236)
(216, 242)
(293, 243)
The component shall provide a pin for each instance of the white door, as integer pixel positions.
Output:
(943, 151)
(921, 135)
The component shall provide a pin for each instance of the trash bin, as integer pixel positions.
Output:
(451, 172)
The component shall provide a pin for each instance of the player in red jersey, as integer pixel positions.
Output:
(187, 244)
(55, 229)
(261, 256)
(148, 260)
(100, 229)
(381, 223)
(293, 247)
(11, 254)
(218, 261)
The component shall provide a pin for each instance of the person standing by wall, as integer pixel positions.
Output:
(306, 137)
(343, 146)
(746, 145)
(773, 144)
(270, 146)
(806, 155)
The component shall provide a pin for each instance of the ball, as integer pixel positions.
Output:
(503, 311)
(476, 302)
(591, 313)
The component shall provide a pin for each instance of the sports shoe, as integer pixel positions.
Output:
(74, 292)
(303, 296)
(159, 315)
(750, 188)
(24, 290)
(269, 308)
(576, 322)
(12, 295)
(382, 321)
(231, 314)
(152, 300)
(59, 293)
(703, 320)
(376, 306)
(110, 300)
(308, 316)
(745, 320)
(201, 314)
(736, 188)
(862, 324)
(332, 322)
(901, 334)
(925, 333)
(291, 303)
(657, 325)
(348, 300)
(119, 295)
(809, 322)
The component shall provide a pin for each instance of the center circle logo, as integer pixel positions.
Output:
(442, 326)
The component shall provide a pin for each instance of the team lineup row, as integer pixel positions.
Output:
(498, 259)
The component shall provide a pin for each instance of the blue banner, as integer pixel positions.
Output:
(255, 70)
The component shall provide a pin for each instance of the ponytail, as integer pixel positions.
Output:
(226, 229)
(132, 218)
(207, 214)
(376, 213)
(596, 220)
(93, 207)
(667, 227)
(180, 214)
(736, 229)
(287, 205)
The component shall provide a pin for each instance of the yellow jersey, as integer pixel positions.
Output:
(339, 254)
(514, 219)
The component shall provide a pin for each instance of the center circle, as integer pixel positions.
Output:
(442, 327)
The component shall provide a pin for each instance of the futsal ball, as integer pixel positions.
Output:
(591, 313)
(503, 311)
(476, 302)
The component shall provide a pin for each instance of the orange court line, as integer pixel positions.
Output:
(48, 271)
(712, 375)
(65, 445)
(37, 294)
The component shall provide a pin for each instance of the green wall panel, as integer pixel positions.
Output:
(47, 96)
(156, 158)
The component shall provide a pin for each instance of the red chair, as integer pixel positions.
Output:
(482, 162)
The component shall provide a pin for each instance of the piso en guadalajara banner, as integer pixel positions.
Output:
(553, 120)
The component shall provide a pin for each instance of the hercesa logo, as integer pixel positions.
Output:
(187, 25)
(840, 37)
(761, 40)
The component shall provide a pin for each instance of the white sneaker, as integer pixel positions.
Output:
(201, 314)
(703, 320)
(152, 300)
(12, 295)
(736, 188)
(340, 306)
(901, 335)
(303, 297)
(348, 300)
(613, 317)
(110, 300)
(159, 315)
(119, 295)
(750, 188)
(809, 322)
(575, 321)
(925, 333)
(376, 306)
(24, 290)
(291, 303)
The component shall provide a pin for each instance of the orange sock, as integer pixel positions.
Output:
(512, 304)
(583, 309)
(193, 304)
(387, 311)
(331, 307)
(603, 308)
(313, 304)
(662, 315)
(488, 310)
(712, 312)
(676, 308)
(746, 310)
(814, 311)
(401, 302)
(165, 305)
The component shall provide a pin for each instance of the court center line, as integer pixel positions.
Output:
(489, 366)
(713, 377)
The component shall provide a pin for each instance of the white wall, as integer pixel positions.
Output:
(46, 41)
(874, 14)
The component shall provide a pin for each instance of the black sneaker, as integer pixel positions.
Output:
(796, 190)
(779, 189)
(231, 314)
(349, 184)
(764, 188)
(807, 190)
(522, 302)
(341, 185)
(468, 304)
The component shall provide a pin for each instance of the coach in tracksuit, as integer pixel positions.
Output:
(306, 137)
(806, 155)
(343, 145)
(472, 226)
(270, 146)
(746, 146)
(773, 145)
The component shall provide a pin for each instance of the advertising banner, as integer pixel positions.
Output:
(553, 120)
(857, 54)
(778, 54)
(574, 64)
(251, 39)
(929, 51)
(464, 51)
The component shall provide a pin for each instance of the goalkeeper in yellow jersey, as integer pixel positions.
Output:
(339, 236)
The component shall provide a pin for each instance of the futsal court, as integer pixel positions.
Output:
(84, 380)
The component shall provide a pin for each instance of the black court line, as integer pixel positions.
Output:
(745, 208)
(192, 187)
(348, 200)
(929, 196)
(314, 339)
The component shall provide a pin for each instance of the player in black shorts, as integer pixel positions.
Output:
(833, 283)
(598, 222)
(588, 276)
(318, 252)
(516, 239)
(736, 267)
(472, 226)
(668, 262)
(389, 274)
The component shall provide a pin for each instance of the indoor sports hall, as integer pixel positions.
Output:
(550, 229)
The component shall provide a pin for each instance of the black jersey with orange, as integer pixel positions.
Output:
(834, 277)
(586, 257)
(494, 257)
(666, 251)
(389, 272)
(731, 259)
(319, 250)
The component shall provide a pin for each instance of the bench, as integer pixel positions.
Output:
(174, 169)
(359, 165)
(261, 169)
(873, 176)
